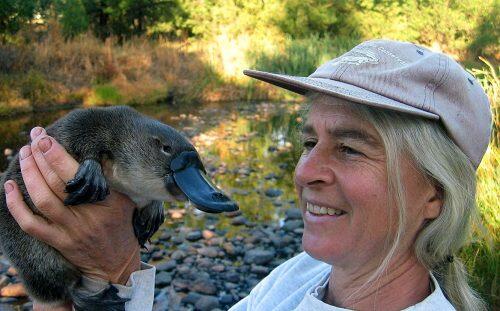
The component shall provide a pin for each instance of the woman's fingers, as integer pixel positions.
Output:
(40, 193)
(30, 223)
(54, 163)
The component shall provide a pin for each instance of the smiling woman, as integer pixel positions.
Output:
(386, 183)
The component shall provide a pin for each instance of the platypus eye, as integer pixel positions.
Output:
(167, 149)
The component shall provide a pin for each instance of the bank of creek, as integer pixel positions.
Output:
(205, 261)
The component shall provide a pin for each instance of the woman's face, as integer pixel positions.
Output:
(341, 181)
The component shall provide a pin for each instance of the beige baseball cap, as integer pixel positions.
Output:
(404, 77)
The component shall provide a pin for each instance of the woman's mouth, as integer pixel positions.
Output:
(322, 210)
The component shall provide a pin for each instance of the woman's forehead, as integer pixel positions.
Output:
(341, 114)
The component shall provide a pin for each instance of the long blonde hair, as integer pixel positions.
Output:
(438, 158)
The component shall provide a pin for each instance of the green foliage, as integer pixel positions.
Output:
(15, 13)
(106, 95)
(126, 18)
(301, 18)
(302, 56)
(73, 17)
(36, 89)
(488, 77)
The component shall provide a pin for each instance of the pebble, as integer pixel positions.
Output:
(272, 193)
(204, 286)
(13, 290)
(210, 251)
(166, 266)
(259, 269)
(163, 279)
(291, 225)
(178, 255)
(180, 284)
(218, 268)
(4, 280)
(207, 303)
(207, 234)
(161, 301)
(11, 271)
(293, 213)
(191, 298)
(233, 214)
(226, 299)
(194, 236)
(239, 220)
(259, 256)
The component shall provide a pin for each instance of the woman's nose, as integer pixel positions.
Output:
(314, 169)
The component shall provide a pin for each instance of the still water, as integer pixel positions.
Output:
(249, 149)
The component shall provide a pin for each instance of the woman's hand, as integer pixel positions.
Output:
(97, 238)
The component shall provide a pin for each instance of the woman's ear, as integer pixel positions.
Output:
(434, 203)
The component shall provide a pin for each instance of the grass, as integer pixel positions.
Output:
(482, 255)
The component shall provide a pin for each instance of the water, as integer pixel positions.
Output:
(247, 148)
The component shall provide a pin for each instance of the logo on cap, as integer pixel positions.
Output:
(357, 57)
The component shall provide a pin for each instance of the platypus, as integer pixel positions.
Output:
(120, 149)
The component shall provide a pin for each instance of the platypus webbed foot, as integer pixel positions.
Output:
(105, 300)
(147, 220)
(88, 186)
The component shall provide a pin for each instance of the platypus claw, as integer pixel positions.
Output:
(147, 220)
(88, 185)
(106, 300)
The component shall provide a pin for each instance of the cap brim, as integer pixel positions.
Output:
(302, 85)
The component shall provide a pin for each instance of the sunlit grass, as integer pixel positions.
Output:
(482, 256)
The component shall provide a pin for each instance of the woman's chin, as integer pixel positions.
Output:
(320, 248)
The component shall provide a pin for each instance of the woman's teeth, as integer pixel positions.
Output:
(321, 210)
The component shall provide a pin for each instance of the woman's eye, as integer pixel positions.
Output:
(349, 151)
(309, 144)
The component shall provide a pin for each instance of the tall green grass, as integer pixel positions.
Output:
(302, 56)
(482, 255)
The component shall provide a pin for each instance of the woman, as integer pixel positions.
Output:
(386, 182)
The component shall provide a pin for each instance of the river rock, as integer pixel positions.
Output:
(204, 286)
(13, 290)
(259, 256)
(4, 280)
(207, 303)
(166, 266)
(272, 193)
(239, 220)
(208, 234)
(209, 251)
(179, 255)
(293, 213)
(11, 271)
(194, 236)
(232, 277)
(180, 284)
(291, 225)
(191, 298)
(161, 301)
(226, 299)
(259, 269)
(218, 268)
(165, 236)
(163, 279)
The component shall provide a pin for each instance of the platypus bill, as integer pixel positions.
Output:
(117, 148)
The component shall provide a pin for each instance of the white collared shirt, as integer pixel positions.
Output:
(300, 283)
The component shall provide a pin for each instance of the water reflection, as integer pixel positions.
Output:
(248, 149)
